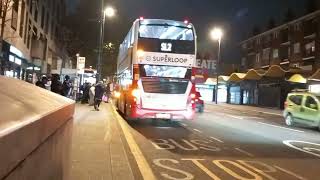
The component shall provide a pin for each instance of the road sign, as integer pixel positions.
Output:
(81, 62)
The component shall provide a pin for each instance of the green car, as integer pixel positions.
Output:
(302, 108)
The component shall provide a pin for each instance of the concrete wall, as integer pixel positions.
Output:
(35, 132)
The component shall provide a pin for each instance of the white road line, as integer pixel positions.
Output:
(183, 124)
(236, 117)
(289, 172)
(244, 152)
(142, 162)
(197, 130)
(216, 139)
(281, 127)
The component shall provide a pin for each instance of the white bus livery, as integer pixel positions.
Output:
(155, 69)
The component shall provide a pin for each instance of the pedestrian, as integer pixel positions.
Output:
(98, 93)
(91, 95)
(108, 91)
(66, 86)
(42, 83)
(56, 85)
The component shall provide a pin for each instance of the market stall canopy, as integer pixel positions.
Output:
(211, 81)
(252, 75)
(315, 76)
(236, 77)
(224, 78)
(275, 71)
(297, 78)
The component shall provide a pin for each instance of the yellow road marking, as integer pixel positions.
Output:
(143, 165)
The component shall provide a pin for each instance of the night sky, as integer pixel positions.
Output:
(236, 17)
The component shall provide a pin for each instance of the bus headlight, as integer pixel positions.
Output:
(117, 94)
(140, 53)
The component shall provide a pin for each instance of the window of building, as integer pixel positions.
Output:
(310, 47)
(258, 58)
(30, 6)
(275, 35)
(29, 34)
(275, 53)
(46, 27)
(243, 61)
(23, 9)
(266, 54)
(258, 41)
(297, 27)
(26, 28)
(14, 16)
(43, 12)
(36, 15)
(296, 48)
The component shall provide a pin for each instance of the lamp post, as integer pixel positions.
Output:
(216, 34)
(107, 12)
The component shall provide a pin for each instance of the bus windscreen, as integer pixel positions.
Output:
(164, 71)
(166, 32)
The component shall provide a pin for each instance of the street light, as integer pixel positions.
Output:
(216, 34)
(107, 12)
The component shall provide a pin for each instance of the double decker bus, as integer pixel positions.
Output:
(154, 70)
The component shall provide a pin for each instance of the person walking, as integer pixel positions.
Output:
(42, 83)
(56, 85)
(98, 93)
(91, 95)
(66, 86)
(108, 92)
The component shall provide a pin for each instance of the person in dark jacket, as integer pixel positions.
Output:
(99, 91)
(66, 86)
(56, 85)
(42, 83)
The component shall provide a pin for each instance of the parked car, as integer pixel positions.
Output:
(302, 108)
(199, 103)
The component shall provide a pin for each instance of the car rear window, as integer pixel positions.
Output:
(296, 99)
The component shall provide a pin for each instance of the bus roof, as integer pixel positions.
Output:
(164, 22)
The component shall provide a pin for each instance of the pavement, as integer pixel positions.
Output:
(221, 143)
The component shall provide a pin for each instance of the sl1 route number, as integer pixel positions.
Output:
(166, 47)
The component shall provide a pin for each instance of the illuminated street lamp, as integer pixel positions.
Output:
(107, 12)
(216, 35)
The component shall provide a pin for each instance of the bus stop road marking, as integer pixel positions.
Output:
(244, 152)
(143, 165)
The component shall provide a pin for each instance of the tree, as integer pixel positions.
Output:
(5, 7)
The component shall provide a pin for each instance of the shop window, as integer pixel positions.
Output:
(11, 58)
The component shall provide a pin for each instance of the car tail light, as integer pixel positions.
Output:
(192, 96)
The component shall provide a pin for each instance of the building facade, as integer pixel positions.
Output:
(32, 43)
(294, 44)
(271, 58)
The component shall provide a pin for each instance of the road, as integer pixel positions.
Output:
(222, 143)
